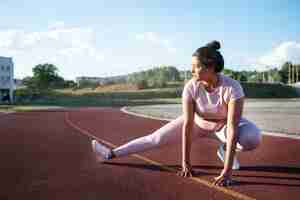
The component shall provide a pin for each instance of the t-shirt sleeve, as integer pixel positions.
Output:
(187, 92)
(237, 91)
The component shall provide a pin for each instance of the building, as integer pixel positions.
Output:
(7, 85)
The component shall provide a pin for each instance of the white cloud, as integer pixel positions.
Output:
(287, 51)
(58, 44)
(56, 25)
(154, 38)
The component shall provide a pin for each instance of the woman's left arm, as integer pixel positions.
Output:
(235, 110)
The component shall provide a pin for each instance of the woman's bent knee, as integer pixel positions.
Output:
(251, 145)
(249, 138)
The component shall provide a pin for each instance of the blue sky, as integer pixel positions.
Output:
(104, 38)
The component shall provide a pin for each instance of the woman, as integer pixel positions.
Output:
(212, 105)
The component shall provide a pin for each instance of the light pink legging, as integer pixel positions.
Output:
(249, 137)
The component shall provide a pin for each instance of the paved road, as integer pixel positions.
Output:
(47, 155)
(272, 115)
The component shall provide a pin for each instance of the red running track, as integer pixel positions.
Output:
(46, 155)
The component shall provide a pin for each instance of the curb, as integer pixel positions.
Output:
(275, 134)
(6, 113)
(124, 109)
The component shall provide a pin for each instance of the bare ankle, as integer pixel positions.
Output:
(113, 155)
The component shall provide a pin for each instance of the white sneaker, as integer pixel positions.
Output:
(102, 152)
(221, 155)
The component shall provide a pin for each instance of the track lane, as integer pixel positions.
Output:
(42, 157)
(266, 171)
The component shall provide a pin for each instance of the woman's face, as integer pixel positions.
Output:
(200, 72)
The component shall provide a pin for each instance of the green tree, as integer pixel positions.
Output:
(88, 84)
(29, 82)
(69, 84)
(284, 72)
(273, 75)
(45, 76)
(170, 73)
(228, 72)
(298, 72)
(44, 79)
(155, 77)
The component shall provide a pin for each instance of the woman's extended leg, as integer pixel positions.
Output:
(168, 134)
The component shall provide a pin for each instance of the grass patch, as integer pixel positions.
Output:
(72, 102)
(98, 102)
(24, 108)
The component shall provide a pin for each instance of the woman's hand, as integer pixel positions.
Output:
(224, 179)
(186, 171)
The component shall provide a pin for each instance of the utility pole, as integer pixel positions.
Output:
(297, 75)
(293, 74)
(289, 79)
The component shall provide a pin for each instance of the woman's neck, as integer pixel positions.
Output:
(211, 83)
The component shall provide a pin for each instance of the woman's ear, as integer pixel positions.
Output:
(212, 68)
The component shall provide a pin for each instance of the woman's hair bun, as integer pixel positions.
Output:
(214, 45)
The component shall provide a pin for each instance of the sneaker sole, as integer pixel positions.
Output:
(98, 158)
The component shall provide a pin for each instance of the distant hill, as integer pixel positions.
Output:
(103, 80)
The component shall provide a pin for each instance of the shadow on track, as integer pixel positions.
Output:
(270, 168)
(200, 170)
(240, 183)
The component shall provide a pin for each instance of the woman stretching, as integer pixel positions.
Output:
(212, 105)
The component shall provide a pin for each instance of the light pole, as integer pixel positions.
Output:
(289, 79)
(297, 75)
(293, 73)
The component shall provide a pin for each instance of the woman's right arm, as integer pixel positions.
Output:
(187, 128)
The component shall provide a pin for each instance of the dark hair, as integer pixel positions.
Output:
(210, 56)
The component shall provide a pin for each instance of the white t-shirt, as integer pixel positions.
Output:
(212, 107)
